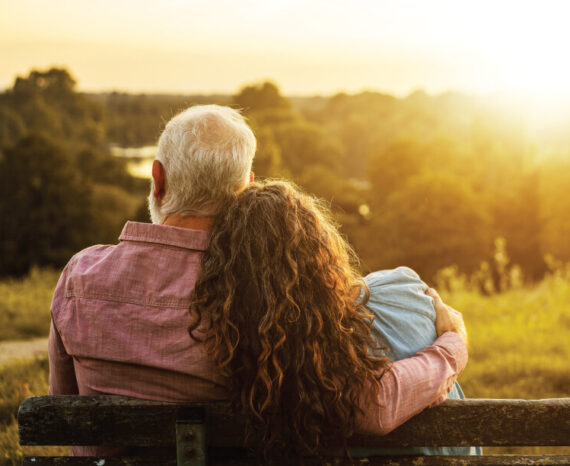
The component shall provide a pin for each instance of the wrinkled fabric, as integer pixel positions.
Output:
(120, 321)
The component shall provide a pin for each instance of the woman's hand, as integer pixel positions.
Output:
(447, 319)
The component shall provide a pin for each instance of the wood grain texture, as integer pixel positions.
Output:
(373, 461)
(111, 420)
(95, 461)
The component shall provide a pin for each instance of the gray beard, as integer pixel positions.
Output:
(156, 215)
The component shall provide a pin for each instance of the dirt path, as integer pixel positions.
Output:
(28, 349)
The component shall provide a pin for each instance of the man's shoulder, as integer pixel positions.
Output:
(79, 265)
(88, 255)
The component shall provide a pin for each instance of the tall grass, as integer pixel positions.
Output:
(519, 345)
(25, 305)
(18, 380)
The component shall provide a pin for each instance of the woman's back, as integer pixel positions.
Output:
(277, 287)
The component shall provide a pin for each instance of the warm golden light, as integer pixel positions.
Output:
(307, 47)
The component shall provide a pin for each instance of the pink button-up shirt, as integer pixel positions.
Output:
(120, 319)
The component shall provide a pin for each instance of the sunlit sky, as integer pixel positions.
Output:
(307, 47)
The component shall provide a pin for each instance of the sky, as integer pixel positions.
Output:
(307, 47)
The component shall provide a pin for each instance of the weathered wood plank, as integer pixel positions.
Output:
(484, 422)
(111, 420)
(373, 461)
(95, 461)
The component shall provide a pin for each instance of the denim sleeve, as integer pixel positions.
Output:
(404, 316)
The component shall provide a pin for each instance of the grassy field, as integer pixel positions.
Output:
(18, 380)
(519, 345)
(25, 305)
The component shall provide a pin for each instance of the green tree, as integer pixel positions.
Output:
(555, 208)
(47, 102)
(259, 97)
(435, 220)
(304, 145)
(12, 126)
(46, 207)
(516, 213)
(267, 161)
(342, 194)
(112, 207)
(392, 166)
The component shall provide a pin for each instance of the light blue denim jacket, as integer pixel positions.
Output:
(404, 321)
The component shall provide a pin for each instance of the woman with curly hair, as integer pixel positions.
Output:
(276, 303)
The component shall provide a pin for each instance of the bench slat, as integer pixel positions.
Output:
(372, 461)
(94, 461)
(116, 421)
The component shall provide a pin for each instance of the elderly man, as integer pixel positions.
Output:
(120, 313)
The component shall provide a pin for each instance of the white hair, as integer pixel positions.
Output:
(207, 152)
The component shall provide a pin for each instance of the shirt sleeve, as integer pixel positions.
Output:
(404, 316)
(62, 379)
(412, 385)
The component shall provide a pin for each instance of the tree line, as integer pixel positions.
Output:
(60, 188)
(425, 181)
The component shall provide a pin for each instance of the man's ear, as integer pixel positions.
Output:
(159, 179)
(251, 177)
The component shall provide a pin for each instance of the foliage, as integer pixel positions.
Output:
(388, 141)
(98, 167)
(555, 208)
(46, 102)
(267, 162)
(25, 304)
(518, 347)
(46, 206)
(264, 96)
(427, 208)
(113, 206)
(137, 119)
(61, 189)
(303, 146)
(18, 380)
(12, 127)
(446, 175)
(366, 153)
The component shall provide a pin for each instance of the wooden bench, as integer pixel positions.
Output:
(203, 433)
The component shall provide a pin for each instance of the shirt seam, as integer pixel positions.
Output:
(166, 303)
(194, 244)
(164, 245)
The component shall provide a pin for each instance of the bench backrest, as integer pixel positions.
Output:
(118, 421)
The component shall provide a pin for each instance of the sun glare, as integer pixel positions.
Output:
(515, 48)
(529, 48)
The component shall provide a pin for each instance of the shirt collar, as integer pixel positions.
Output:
(167, 235)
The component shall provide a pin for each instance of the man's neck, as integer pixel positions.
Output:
(192, 223)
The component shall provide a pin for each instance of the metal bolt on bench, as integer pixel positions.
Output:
(191, 437)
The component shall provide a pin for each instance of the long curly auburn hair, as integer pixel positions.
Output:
(278, 288)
